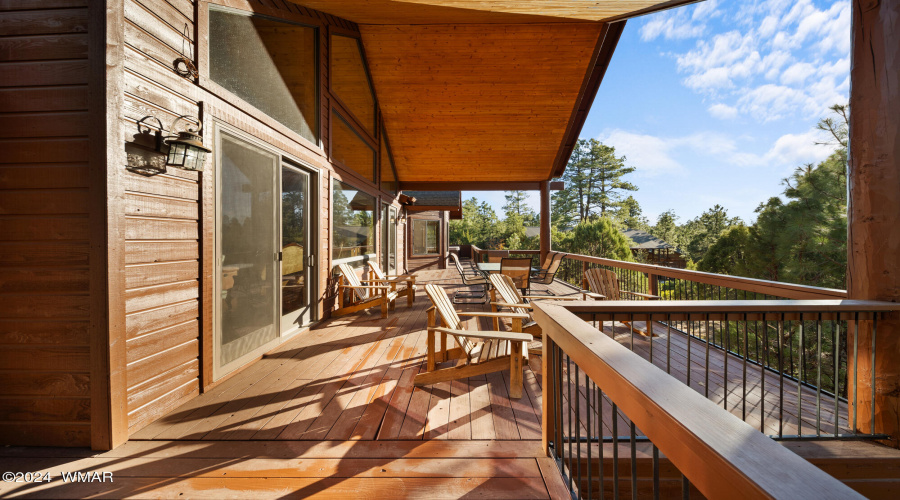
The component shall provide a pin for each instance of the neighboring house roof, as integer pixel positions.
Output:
(646, 241)
(450, 201)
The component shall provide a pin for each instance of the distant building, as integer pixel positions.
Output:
(652, 250)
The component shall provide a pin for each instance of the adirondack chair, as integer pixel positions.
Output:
(478, 352)
(505, 294)
(376, 275)
(362, 296)
(603, 284)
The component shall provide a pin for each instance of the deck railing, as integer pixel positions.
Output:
(617, 425)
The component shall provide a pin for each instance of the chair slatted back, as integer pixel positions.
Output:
(445, 310)
(376, 270)
(506, 288)
(519, 269)
(353, 280)
(604, 282)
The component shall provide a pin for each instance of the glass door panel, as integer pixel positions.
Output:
(248, 286)
(389, 239)
(296, 249)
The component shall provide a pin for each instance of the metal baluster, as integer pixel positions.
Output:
(836, 377)
(762, 371)
(600, 435)
(819, 376)
(633, 461)
(615, 437)
(874, 336)
(855, 369)
(746, 350)
(706, 375)
(668, 343)
(631, 325)
(655, 473)
(588, 395)
(561, 446)
(685, 488)
(727, 343)
(569, 412)
(578, 427)
(780, 332)
(800, 381)
(689, 342)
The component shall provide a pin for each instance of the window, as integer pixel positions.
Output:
(354, 223)
(350, 81)
(270, 64)
(388, 177)
(348, 148)
(425, 237)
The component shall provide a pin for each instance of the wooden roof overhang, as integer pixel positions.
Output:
(479, 94)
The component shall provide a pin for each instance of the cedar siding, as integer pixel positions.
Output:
(45, 306)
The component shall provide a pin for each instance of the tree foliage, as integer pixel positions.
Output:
(594, 184)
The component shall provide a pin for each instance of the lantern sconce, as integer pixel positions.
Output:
(186, 150)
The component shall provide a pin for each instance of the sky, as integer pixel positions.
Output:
(717, 102)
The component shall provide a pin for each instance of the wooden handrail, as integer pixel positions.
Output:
(720, 454)
(776, 288)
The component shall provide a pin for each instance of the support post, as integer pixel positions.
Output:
(873, 246)
(545, 220)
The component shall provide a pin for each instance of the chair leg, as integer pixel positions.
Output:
(516, 383)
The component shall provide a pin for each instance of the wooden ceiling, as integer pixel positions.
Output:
(483, 11)
(476, 94)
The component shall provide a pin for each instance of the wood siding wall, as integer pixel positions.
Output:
(170, 218)
(44, 216)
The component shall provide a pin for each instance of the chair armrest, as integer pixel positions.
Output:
(480, 334)
(402, 276)
(493, 314)
(593, 295)
(506, 304)
(549, 297)
(644, 295)
(376, 280)
(366, 287)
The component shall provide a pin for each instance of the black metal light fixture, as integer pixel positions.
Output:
(186, 150)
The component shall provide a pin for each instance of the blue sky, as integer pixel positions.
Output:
(717, 102)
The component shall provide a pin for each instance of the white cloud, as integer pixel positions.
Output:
(797, 149)
(723, 111)
(651, 155)
(771, 59)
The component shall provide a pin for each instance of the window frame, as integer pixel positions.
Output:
(375, 226)
(412, 242)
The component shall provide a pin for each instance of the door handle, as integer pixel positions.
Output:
(311, 261)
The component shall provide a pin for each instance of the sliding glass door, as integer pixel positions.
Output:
(247, 316)
(297, 255)
(266, 250)
(389, 239)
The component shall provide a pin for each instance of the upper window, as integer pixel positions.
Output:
(270, 64)
(425, 237)
(354, 222)
(348, 148)
(350, 81)
(388, 178)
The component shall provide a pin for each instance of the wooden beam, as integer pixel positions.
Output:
(557, 186)
(109, 418)
(471, 186)
(603, 53)
(873, 269)
(545, 220)
(671, 4)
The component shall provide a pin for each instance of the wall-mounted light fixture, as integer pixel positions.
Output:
(186, 150)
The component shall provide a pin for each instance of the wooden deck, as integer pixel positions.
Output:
(333, 413)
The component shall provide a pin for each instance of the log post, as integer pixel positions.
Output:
(545, 220)
(873, 246)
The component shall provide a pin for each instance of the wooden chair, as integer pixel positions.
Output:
(362, 296)
(505, 294)
(519, 269)
(478, 352)
(376, 275)
(548, 271)
(603, 284)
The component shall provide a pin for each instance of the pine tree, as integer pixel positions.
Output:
(594, 182)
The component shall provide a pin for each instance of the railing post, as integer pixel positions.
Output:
(548, 420)
(652, 284)
(873, 271)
